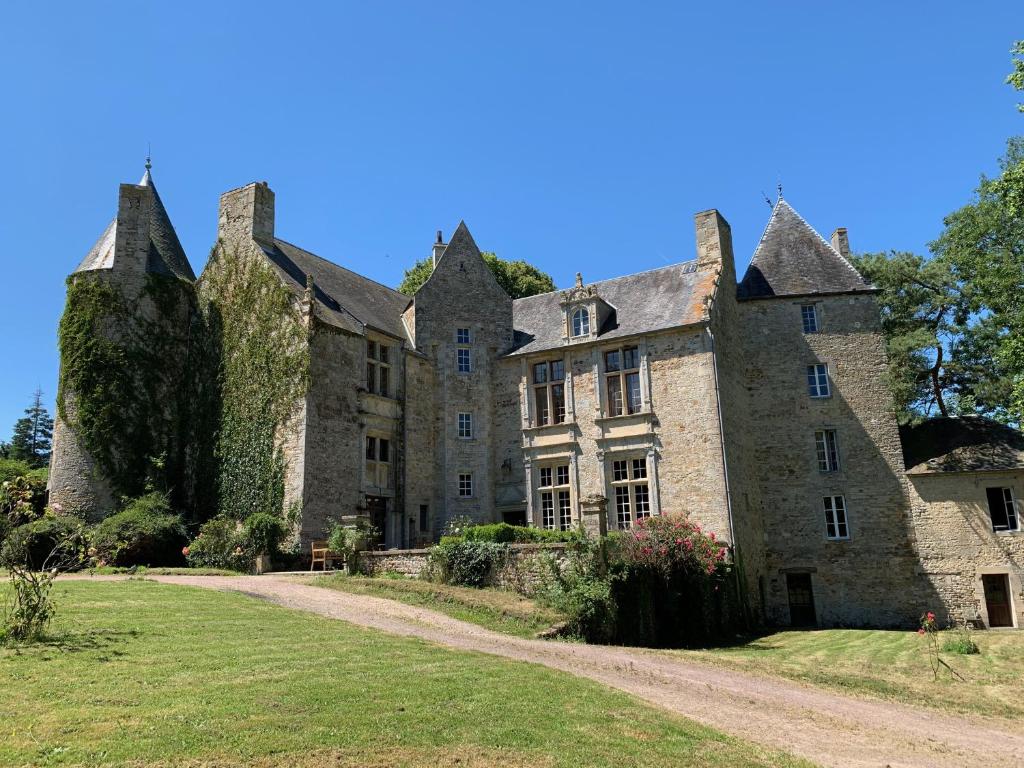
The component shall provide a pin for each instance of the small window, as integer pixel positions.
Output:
(545, 477)
(378, 461)
(384, 454)
(581, 322)
(463, 360)
(809, 315)
(371, 448)
(630, 491)
(462, 336)
(424, 518)
(465, 425)
(835, 518)
(554, 497)
(378, 369)
(465, 485)
(1001, 509)
(817, 380)
(622, 380)
(385, 379)
(549, 393)
(828, 450)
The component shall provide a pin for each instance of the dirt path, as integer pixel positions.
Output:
(827, 728)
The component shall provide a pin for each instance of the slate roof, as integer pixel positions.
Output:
(344, 299)
(668, 297)
(166, 256)
(794, 260)
(961, 444)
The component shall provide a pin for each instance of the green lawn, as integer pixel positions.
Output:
(494, 609)
(888, 664)
(159, 675)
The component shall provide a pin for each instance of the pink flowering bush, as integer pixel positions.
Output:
(673, 544)
(221, 543)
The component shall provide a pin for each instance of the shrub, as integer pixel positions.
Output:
(264, 532)
(23, 498)
(12, 468)
(961, 642)
(466, 563)
(503, 533)
(42, 543)
(672, 544)
(582, 591)
(146, 532)
(220, 543)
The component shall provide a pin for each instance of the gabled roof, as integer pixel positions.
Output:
(166, 256)
(794, 260)
(344, 299)
(961, 444)
(668, 297)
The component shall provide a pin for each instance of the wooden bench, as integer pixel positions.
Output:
(321, 553)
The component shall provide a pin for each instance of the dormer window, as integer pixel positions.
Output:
(580, 322)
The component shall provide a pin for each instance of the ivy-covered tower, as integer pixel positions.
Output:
(124, 346)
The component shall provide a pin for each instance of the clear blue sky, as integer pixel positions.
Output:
(578, 136)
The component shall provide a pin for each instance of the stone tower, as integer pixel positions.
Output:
(130, 298)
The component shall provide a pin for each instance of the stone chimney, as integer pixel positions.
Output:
(247, 211)
(714, 243)
(439, 247)
(131, 244)
(841, 242)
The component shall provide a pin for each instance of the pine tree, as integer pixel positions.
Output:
(33, 434)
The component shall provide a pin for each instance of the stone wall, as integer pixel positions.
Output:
(957, 545)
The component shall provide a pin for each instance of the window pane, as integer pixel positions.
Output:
(619, 471)
(371, 377)
(547, 509)
(385, 379)
(622, 506)
(462, 336)
(557, 370)
(564, 511)
(1000, 509)
(545, 477)
(611, 361)
(558, 402)
(371, 448)
(371, 349)
(463, 361)
(633, 391)
(642, 500)
(580, 322)
(810, 318)
(630, 358)
(562, 474)
(614, 396)
(542, 405)
(423, 517)
(639, 469)
(382, 353)
(385, 450)
(540, 373)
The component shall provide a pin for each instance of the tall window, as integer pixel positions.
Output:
(555, 497)
(549, 392)
(378, 369)
(465, 485)
(622, 379)
(424, 522)
(378, 461)
(631, 491)
(835, 518)
(1001, 509)
(580, 322)
(463, 359)
(466, 425)
(817, 380)
(809, 315)
(828, 450)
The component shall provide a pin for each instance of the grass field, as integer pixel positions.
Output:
(491, 608)
(890, 665)
(156, 675)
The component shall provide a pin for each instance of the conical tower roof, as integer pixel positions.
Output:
(166, 256)
(794, 260)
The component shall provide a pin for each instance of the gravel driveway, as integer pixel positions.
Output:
(826, 728)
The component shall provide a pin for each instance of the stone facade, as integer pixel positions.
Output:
(681, 389)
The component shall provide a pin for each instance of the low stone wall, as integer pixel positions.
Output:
(523, 572)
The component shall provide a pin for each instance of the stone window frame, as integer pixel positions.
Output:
(621, 374)
(630, 481)
(809, 320)
(829, 459)
(554, 494)
(464, 425)
(813, 381)
(581, 313)
(375, 446)
(547, 387)
(379, 361)
(1010, 509)
(840, 527)
(465, 485)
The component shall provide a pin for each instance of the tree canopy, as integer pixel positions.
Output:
(517, 278)
(32, 435)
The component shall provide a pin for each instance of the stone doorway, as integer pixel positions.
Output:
(801, 600)
(377, 509)
(997, 599)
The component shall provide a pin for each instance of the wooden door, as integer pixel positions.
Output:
(997, 599)
(801, 600)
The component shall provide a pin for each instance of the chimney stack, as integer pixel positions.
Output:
(439, 247)
(841, 242)
(714, 242)
(131, 243)
(248, 211)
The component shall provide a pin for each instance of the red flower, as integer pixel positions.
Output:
(920, 631)
(184, 551)
(931, 616)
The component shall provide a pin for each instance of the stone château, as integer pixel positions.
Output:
(759, 407)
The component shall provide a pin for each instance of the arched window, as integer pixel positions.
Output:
(581, 322)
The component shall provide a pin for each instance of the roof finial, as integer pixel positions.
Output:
(149, 154)
(780, 190)
(439, 241)
(579, 279)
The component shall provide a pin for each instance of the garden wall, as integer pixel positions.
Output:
(523, 572)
